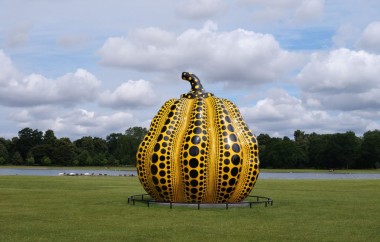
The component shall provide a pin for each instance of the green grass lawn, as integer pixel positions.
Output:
(63, 208)
(375, 171)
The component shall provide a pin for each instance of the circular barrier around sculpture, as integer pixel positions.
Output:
(147, 199)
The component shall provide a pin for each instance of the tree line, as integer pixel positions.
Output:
(34, 147)
(320, 151)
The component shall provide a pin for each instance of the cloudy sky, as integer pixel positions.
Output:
(94, 67)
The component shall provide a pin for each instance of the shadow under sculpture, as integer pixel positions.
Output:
(198, 150)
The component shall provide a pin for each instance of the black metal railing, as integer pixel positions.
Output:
(250, 200)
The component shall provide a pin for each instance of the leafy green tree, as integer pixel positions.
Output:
(11, 147)
(64, 152)
(3, 141)
(4, 155)
(123, 147)
(86, 143)
(75, 162)
(265, 150)
(335, 151)
(90, 161)
(7, 144)
(41, 151)
(317, 147)
(95, 148)
(49, 137)
(131, 141)
(370, 150)
(302, 142)
(347, 148)
(46, 161)
(30, 159)
(17, 159)
(27, 138)
(100, 146)
(112, 141)
(286, 154)
(100, 160)
(138, 133)
(112, 161)
(84, 158)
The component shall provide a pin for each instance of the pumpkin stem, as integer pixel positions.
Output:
(196, 86)
(197, 89)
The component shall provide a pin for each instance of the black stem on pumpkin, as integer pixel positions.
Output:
(196, 86)
(197, 90)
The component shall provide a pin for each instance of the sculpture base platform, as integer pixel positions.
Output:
(248, 202)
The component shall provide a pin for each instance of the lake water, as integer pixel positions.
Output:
(318, 175)
(263, 175)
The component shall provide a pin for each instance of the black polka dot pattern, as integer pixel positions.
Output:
(194, 154)
(143, 160)
(198, 149)
(229, 153)
(162, 166)
(250, 171)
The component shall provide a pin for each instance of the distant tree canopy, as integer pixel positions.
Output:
(33, 147)
(321, 151)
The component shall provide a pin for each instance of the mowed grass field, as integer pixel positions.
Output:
(64, 208)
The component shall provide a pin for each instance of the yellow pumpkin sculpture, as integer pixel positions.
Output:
(198, 150)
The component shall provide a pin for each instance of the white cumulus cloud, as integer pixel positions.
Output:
(200, 8)
(309, 10)
(8, 72)
(281, 114)
(342, 80)
(81, 122)
(131, 94)
(370, 38)
(346, 36)
(239, 55)
(74, 123)
(35, 89)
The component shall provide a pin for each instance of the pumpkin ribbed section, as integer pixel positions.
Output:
(198, 150)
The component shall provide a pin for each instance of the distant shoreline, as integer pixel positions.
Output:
(112, 168)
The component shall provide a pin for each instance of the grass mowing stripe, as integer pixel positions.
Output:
(36, 208)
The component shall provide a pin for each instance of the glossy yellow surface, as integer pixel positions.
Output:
(198, 149)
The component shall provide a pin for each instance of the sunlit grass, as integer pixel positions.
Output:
(63, 208)
(322, 170)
